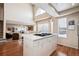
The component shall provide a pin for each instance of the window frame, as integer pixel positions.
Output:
(62, 29)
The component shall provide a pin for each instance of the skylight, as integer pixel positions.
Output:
(39, 11)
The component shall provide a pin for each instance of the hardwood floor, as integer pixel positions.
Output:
(15, 48)
(11, 48)
(65, 51)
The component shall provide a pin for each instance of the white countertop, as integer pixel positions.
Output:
(34, 37)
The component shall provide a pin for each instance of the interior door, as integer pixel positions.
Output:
(1, 29)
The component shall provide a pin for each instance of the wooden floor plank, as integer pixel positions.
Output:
(11, 48)
(66, 51)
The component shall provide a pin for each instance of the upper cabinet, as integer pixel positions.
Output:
(19, 13)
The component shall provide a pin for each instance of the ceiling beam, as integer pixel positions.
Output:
(66, 12)
(52, 7)
(51, 10)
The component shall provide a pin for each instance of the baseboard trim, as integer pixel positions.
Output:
(68, 46)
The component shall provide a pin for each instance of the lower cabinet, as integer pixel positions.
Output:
(44, 46)
(40, 47)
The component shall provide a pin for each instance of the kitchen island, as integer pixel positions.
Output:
(39, 45)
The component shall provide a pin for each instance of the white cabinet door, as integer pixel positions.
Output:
(44, 46)
(52, 43)
(35, 47)
(47, 45)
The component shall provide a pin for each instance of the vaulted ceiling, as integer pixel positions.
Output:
(59, 9)
(64, 6)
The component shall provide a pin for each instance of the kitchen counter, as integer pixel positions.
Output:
(35, 38)
(39, 45)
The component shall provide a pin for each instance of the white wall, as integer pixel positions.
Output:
(72, 38)
(20, 13)
(17, 13)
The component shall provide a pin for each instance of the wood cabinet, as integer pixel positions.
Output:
(1, 29)
(1, 11)
(1, 19)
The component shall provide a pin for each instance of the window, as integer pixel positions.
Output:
(62, 27)
(39, 11)
(43, 27)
